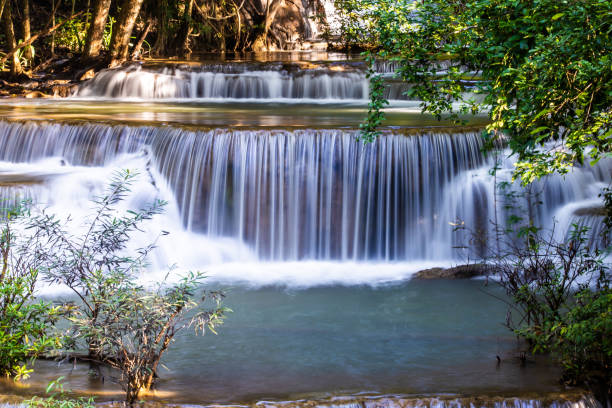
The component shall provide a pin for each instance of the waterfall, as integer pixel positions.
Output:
(449, 402)
(245, 81)
(294, 195)
(210, 82)
(408, 402)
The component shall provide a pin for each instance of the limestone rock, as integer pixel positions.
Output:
(88, 75)
(457, 272)
(590, 211)
(36, 94)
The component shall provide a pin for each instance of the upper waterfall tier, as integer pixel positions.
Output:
(269, 81)
(303, 194)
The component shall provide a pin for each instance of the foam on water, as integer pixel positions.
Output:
(297, 208)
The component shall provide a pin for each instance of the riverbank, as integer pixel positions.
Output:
(571, 399)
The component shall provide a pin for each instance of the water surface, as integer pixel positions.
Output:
(419, 337)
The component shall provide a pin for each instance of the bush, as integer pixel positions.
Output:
(25, 325)
(581, 340)
(136, 326)
(562, 296)
(91, 259)
(542, 274)
(124, 325)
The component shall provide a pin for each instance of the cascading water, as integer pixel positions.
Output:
(400, 402)
(302, 194)
(286, 82)
(213, 83)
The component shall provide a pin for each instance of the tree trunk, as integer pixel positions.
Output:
(9, 32)
(2, 3)
(120, 40)
(161, 15)
(95, 34)
(35, 37)
(238, 26)
(141, 38)
(272, 7)
(28, 52)
(186, 29)
(222, 47)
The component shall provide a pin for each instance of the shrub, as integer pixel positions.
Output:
(563, 300)
(136, 326)
(541, 274)
(25, 325)
(124, 325)
(91, 259)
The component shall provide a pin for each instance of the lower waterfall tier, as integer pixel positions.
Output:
(284, 195)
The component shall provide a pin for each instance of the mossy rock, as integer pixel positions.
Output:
(591, 211)
(457, 272)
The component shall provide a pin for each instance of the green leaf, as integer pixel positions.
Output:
(557, 16)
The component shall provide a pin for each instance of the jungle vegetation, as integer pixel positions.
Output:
(103, 33)
(540, 69)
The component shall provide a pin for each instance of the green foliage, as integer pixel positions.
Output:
(73, 33)
(370, 127)
(58, 398)
(25, 325)
(541, 274)
(123, 324)
(108, 31)
(543, 68)
(562, 298)
(581, 340)
(136, 326)
(90, 259)
(23, 52)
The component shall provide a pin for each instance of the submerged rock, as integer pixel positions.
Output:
(467, 271)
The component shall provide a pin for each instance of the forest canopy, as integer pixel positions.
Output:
(540, 69)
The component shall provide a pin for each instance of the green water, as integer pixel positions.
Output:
(420, 337)
(224, 114)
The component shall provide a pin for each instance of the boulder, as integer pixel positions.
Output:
(36, 94)
(591, 211)
(63, 91)
(87, 75)
(456, 272)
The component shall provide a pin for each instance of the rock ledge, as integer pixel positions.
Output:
(456, 272)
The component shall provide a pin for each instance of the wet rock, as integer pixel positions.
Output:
(63, 91)
(590, 211)
(35, 94)
(87, 75)
(457, 272)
